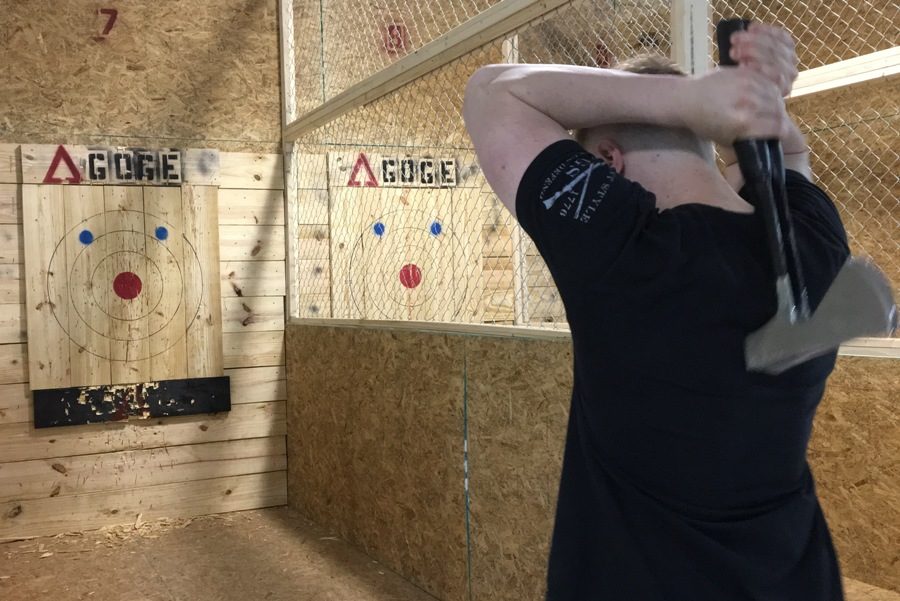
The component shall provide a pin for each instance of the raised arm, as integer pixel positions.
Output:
(769, 51)
(513, 112)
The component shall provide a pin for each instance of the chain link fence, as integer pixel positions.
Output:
(394, 218)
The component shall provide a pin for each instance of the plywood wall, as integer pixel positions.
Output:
(180, 71)
(378, 397)
(179, 74)
(383, 469)
(826, 32)
(854, 451)
(854, 137)
(592, 33)
(354, 40)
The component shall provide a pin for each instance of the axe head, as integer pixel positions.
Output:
(858, 303)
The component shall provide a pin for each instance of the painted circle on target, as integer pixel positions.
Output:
(402, 267)
(119, 280)
(123, 263)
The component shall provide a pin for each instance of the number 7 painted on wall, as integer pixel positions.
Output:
(113, 14)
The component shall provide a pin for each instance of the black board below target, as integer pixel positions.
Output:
(120, 402)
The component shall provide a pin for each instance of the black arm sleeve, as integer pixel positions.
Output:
(810, 203)
(580, 212)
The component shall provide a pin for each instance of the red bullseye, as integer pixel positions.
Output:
(127, 285)
(410, 275)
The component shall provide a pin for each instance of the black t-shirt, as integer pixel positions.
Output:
(685, 476)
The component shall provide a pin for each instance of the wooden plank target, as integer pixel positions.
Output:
(394, 250)
(121, 284)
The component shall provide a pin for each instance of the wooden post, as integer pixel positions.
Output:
(290, 150)
(692, 36)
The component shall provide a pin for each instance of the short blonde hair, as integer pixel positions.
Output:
(650, 64)
(644, 135)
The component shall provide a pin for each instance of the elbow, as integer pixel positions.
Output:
(481, 87)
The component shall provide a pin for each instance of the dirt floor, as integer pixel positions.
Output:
(265, 555)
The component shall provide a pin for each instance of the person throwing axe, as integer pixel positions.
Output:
(685, 475)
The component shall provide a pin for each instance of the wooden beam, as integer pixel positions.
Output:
(861, 347)
(66, 476)
(249, 243)
(249, 170)
(12, 247)
(291, 151)
(13, 363)
(258, 384)
(21, 442)
(12, 286)
(886, 348)
(88, 511)
(248, 207)
(10, 171)
(691, 39)
(495, 22)
(12, 323)
(478, 329)
(250, 313)
(239, 278)
(15, 403)
(9, 204)
(882, 64)
(253, 349)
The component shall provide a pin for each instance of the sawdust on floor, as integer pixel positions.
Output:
(263, 555)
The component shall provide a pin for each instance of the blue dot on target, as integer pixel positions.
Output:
(161, 233)
(378, 228)
(85, 237)
(436, 229)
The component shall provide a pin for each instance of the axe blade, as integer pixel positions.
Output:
(858, 303)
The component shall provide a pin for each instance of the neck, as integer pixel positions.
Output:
(683, 178)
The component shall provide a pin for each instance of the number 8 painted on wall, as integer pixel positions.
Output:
(396, 38)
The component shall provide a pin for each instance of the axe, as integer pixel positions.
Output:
(859, 301)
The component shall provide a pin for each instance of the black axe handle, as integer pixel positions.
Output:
(762, 165)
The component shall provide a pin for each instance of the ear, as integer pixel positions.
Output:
(611, 153)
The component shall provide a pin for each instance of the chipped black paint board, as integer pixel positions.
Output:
(120, 402)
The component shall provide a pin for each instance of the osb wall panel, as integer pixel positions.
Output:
(517, 399)
(854, 452)
(183, 70)
(376, 446)
(518, 403)
(361, 38)
(826, 32)
(854, 136)
(592, 33)
(425, 113)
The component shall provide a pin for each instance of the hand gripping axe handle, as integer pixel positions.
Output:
(859, 301)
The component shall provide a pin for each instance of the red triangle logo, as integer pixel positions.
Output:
(362, 163)
(63, 156)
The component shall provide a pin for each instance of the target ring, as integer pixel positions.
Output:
(124, 289)
(123, 285)
(401, 266)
